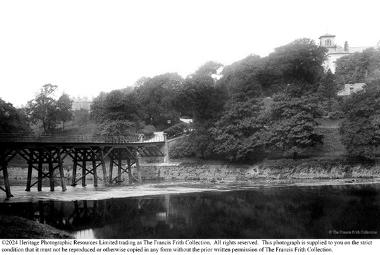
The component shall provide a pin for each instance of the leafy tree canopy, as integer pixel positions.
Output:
(43, 108)
(360, 130)
(292, 124)
(238, 132)
(299, 62)
(199, 96)
(12, 120)
(359, 67)
(64, 108)
(156, 97)
(241, 78)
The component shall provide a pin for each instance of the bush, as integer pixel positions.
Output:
(148, 130)
(116, 128)
(360, 129)
(336, 115)
(182, 148)
(177, 130)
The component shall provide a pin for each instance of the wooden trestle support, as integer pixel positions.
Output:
(51, 158)
(46, 160)
(5, 157)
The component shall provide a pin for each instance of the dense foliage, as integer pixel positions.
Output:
(291, 127)
(361, 127)
(359, 67)
(177, 130)
(251, 125)
(12, 120)
(238, 132)
(48, 111)
(156, 98)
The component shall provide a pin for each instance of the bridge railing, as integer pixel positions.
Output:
(132, 138)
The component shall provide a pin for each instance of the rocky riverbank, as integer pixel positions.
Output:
(275, 169)
(223, 172)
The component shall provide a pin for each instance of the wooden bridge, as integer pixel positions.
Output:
(87, 153)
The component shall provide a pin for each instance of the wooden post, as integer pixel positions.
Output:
(94, 169)
(84, 168)
(6, 179)
(39, 181)
(75, 163)
(138, 167)
(29, 178)
(61, 174)
(129, 171)
(103, 167)
(111, 168)
(166, 149)
(51, 171)
(119, 167)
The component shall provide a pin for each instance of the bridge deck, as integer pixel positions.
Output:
(135, 139)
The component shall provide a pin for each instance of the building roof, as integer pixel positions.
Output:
(351, 88)
(340, 50)
(326, 35)
(358, 49)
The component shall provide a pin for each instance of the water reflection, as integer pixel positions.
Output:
(289, 212)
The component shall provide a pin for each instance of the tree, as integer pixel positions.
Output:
(360, 129)
(12, 120)
(292, 124)
(238, 133)
(298, 63)
(64, 109)
(117, 128)
(156, 98)
(328, 87)
(116, 105)
(241, 77)
(358, 67)
(81, 117)
(43, 108)
(201, 99)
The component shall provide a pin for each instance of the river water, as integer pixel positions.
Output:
(178, 210)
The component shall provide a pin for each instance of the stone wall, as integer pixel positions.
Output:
(230, 172)
(213, 172)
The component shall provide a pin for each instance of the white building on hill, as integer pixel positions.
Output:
(81, 103)
(351, 88)
(335, 51)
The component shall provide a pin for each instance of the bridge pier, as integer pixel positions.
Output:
(117, 156)
(84, 168)
(75, 163)
(29, 177)
(5, 157)
(84, 155)
(104, 169)
(39, 157)
(7, 187)
(61, 174)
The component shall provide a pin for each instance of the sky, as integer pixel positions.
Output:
(89, 46)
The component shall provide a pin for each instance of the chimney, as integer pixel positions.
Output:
(346, 46)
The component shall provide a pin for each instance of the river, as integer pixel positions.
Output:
(191, 210)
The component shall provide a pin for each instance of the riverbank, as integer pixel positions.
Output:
(18, 227)
(221, 172)
(269, 169)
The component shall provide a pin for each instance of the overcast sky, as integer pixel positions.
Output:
(86, 47)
